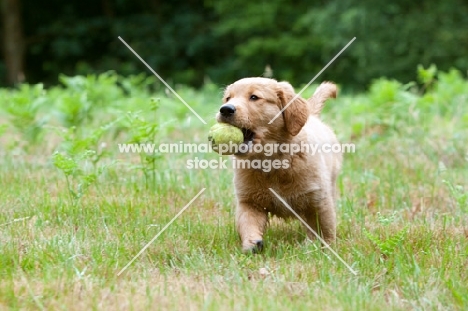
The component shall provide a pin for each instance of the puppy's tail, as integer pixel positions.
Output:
(325, 91)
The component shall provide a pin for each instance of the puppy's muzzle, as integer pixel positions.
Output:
(227, 110)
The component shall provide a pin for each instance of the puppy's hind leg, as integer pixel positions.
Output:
(323, 221)
(251, 223)
(312, 220)
(327, 219)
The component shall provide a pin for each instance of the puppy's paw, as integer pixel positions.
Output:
(254, 247)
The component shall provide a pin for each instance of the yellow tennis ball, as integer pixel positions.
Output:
(226, 135)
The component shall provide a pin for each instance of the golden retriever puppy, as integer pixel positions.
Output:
(306, 180)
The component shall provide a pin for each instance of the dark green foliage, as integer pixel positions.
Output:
(189, 41)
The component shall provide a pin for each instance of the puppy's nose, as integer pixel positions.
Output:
(227, 110)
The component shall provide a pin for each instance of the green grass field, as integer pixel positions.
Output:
(75, 211)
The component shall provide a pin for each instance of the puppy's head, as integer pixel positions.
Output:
(252, 103)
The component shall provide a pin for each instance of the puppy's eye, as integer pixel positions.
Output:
(228, 98)
(253, 97)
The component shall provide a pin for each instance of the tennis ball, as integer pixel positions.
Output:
(226, 135)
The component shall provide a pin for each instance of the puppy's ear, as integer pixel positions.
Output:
(297, 111)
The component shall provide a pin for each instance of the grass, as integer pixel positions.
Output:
(402, 215)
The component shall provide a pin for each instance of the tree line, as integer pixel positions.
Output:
(193, 41)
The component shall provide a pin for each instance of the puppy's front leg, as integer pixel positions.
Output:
(251, 223)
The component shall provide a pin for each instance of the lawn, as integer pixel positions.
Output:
(75, 210)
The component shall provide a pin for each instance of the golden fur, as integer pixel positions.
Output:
(309, 184)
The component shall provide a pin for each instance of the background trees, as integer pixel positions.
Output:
(189, 41)
(13, 40)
